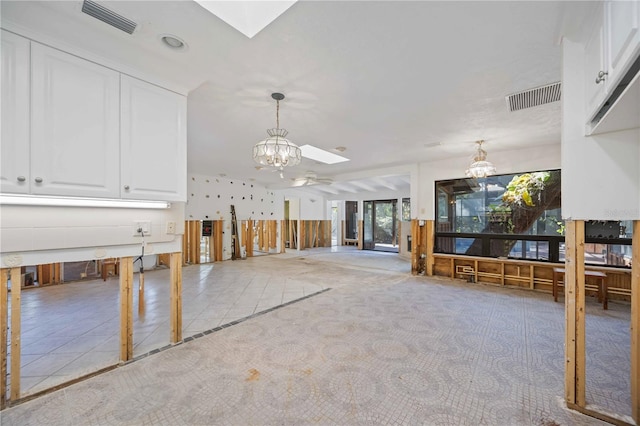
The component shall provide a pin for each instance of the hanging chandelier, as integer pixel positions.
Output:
(276, 150)
(480, 167)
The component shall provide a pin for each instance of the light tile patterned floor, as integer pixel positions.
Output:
(380, 347)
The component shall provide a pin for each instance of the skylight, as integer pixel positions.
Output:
(317, 154)
(248, 17)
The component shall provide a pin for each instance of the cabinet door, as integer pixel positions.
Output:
(14, 154)
(154, 142)
(595, 63)
(623, 36)
(74, 126)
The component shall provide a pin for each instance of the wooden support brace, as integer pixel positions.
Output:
(217, 245)
(635, 324)
(250, 238)
(282, 236)
(429, 244)
(126, 309)
(273, 234)
(360, 234)
(4, 329)
(176, 298)
(16, 283)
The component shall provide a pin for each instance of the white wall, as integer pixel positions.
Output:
(544, 157)
(34, 235)
(600, 173)
(311, 206)
(210, 198)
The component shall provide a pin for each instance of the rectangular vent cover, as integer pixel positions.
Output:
(107, 16)
(534, 97)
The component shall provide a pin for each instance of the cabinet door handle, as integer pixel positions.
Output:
(21, 178)
(126, 187)
(38, 180)
(601, 76)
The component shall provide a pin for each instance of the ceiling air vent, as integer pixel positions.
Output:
(105, 15)
(534, 97)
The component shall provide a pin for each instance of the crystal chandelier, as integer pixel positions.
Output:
(276, 150)
(480, 167)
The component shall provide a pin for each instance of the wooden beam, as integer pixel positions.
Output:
(360, 234)
(415, 230)
(16, 289)
(635, 323)
(302, 230)
(282, 236)
(126, 309)
(217, 242)
(575, 354)
(250, 238)
(4, 329)
(273, 234)
(570, 312)
(429, 244)
(176, 297)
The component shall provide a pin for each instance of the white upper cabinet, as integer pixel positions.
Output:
(74, 126)
(154, 142)
(610, 51)
(623, 36)
(14, 169)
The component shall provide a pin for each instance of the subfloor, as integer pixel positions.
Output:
(367, 343)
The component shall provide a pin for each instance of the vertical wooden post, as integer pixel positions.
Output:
(273, 234)
(126, 309)
(282, 236)
(185, 242)
(635, 324)
(415, 253)
(302, 234)
(57, 269)
(176, 297)
(16, 288)
(575, 354)
(217, 244)
(250, 238)
(360, 234)
(429, 244)
(4, 328)
(343, 227)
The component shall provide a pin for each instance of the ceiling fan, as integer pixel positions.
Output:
(311, 178)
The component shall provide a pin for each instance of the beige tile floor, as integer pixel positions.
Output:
(379, 347)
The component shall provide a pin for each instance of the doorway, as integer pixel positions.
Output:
(381, 225)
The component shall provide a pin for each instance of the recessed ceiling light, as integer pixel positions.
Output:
(173, 42)
(317, 154)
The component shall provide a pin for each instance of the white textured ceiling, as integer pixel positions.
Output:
(396, 83)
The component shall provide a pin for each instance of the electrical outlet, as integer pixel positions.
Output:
(141, 227)
(171, 227)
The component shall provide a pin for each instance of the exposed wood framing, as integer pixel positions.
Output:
(243, 234)
(141, 293)
(50, 273)
(415, 253)
(343, 226)
(176, 297)
(303, 234)
(15, 333)
(126, 309)
(250, 238)
(194, 242)
(429, 242)
(282, 237)
(185, 242)
(635, 324)
(217, 240)
(360, 234)
(574, 289)
(273, 234)
(4, 329)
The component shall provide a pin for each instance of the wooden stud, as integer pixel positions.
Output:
(414, 246)
(126, 309)
(16, 284)
(570, 313)
(282, 237)
(581, 361)
(303, 233)
(185, 242)
(217, 240)
(430, 246)
(635, 324)
(4, 328)
(360, 234)
(141, 293)
(250, 238)
(176, 297)
(343, 226)
(243, 234)
(273, 234)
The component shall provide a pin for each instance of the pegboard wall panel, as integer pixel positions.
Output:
(210, 198)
